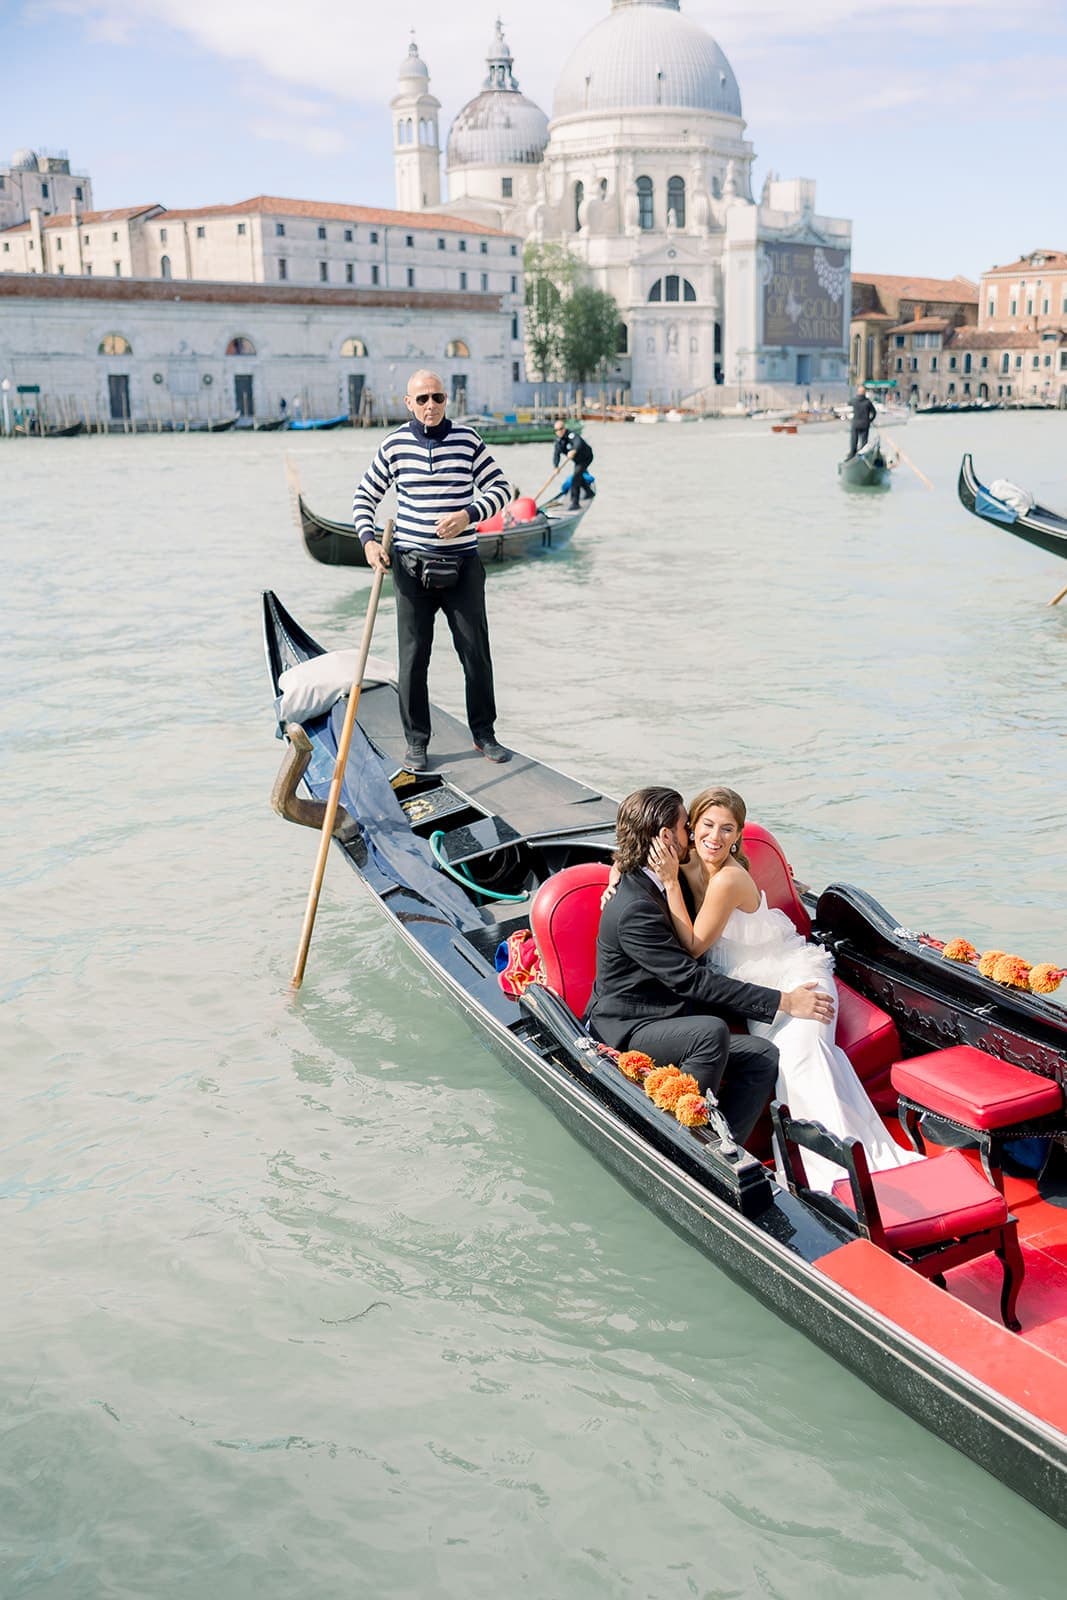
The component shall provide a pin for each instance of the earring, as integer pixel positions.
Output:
(733, 849)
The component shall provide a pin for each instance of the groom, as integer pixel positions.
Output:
(651, 995)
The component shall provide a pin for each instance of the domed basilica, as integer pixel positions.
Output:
(644, 173)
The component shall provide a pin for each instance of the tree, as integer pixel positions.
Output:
(590, 332)
(550, 271)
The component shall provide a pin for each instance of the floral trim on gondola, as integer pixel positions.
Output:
(668, 1087)
(999, 966)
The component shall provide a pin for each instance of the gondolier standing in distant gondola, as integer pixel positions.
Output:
(863, 414)
(570, 446)
(446, 483)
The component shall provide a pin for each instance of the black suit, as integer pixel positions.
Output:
(651, 995)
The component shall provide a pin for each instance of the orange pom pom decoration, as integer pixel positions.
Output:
(989, 961)
(691, 1110)
(669, 1093)
(1013, 971)
(959, 950)
(656, 1080)
(1045, 979)
(635, 1065)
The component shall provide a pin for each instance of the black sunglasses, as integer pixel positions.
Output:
(437, 397)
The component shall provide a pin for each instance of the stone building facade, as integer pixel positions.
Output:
(131, 351)
(883, 301)
(43, 182)
(1012, 352)
(644, 173)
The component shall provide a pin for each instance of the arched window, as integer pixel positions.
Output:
(114, 344)
(164, 266)
(676, 200)
(456, 347)
(603, 188)
(240, 346)
(644, 202)
(672, 288)
(353, 347)
(622, 339)
(409, 132)
(579, 196)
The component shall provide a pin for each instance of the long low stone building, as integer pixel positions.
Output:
(130, 352)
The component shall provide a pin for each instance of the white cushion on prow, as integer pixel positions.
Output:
(311, 687)
(1010, 494)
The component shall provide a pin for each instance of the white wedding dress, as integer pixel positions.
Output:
(815, 1078)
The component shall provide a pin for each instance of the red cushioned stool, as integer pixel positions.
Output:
(988, 1097)
(933, 1214)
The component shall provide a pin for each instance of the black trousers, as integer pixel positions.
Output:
(579, 481)
(416, 614)
(858, 437)
(739, 1069)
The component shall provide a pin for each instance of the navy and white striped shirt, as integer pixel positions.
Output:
(448, 469)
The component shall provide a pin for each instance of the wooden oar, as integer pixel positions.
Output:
(553, 474)
(334, 796)
(907, 460)
(1056, 598)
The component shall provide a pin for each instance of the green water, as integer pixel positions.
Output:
(310, 1297)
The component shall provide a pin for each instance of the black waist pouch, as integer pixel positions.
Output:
(434, 569)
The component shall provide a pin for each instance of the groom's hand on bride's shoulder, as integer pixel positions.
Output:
(809, 1002)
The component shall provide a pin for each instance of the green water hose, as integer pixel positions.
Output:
(463, 876)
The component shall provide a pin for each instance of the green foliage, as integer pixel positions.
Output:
(590, 332)
(551, 272)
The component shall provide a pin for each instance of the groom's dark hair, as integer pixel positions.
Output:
(641, 816)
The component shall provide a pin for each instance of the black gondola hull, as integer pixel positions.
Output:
(335, 544)
(1038, 526)
(795, 1260)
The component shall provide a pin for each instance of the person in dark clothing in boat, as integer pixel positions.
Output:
(863, 414)
(570, 446)
(446, 483)
(651, 995)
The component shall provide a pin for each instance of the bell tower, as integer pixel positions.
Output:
(416, 150)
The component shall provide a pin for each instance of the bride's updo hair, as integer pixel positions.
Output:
(730, 801)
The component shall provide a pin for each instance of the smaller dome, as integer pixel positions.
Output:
(413, 65)
(499, 127)
(24, 161)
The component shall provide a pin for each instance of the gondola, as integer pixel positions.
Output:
(1047, 529)
(434, 849)
(69, 431)
(336, 545)
(867, 469)
(305, 424)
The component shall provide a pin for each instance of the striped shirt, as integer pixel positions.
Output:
(432, 476)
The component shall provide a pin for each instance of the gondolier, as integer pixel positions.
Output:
(446, 483)
(863, 414)
(570, 446)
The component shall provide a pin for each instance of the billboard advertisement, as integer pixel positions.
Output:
(806, 295)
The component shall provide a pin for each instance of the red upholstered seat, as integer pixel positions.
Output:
(522, 509)
(931, 1201)
(976, 1089)
(564, 919)
(774, 875)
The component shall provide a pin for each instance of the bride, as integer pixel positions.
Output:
(745, 938)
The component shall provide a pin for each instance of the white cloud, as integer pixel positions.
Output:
(796, 55)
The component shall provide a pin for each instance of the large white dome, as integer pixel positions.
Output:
(646, 55)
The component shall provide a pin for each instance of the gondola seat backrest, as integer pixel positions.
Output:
(564, 919)
(774, 875)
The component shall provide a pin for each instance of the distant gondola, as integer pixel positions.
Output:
(335, 543)
(304, 424)
(867, 469)
(1037, 525)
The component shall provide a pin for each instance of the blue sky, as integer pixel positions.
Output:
(937, 126)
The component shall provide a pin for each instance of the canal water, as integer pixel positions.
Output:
(310, 1297)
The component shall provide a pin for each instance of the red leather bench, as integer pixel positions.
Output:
(990, 1098)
